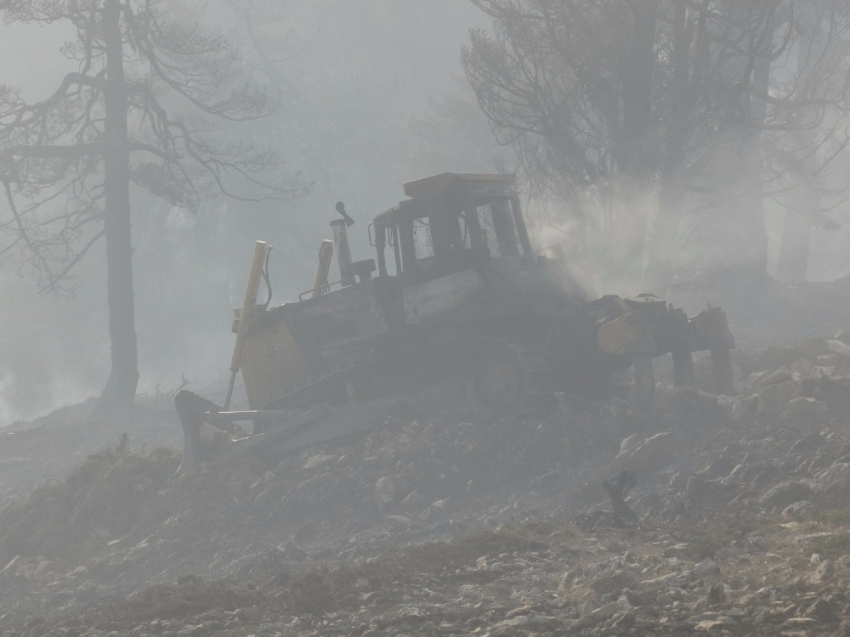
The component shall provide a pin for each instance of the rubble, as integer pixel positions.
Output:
(499, 527)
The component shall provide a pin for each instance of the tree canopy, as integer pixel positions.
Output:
(151, 102)
(660, 108)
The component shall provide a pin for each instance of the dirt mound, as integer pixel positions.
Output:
(47, 448)
(415, 472)
(468, 527)
(101, 499)
(189, 597)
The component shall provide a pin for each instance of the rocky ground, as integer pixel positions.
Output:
(47, 448)
(456, 528)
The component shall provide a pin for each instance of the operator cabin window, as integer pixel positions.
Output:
(422, 240)
(466, 230)
(499, 229)
(391, 241)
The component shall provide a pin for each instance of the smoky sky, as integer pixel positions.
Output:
(367, 91)
(356, 75)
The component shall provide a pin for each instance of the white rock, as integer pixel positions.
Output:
(838, 347)
(399, 520)
(835, 478)
(647, 456)
(411, 499)
(824, 572)
(11, 566)
(604, 612)
(629, 442)
(384, 490)
(513, 622)
(314, 462)
(803, 510)
(677, 550)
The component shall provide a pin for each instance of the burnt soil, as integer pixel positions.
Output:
(446, 527)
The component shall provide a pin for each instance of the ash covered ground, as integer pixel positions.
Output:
(449, 528)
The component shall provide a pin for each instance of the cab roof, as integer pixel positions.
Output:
(436, 185)
(485, 185)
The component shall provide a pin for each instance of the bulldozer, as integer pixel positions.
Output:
(456, 309)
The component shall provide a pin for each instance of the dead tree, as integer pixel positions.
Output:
(140, 109)
(697, 102)
(783, 74)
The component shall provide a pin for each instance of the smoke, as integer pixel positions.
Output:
(370, 99)
(829, 258)
(606, 242)
(603, 241)
(352, 77)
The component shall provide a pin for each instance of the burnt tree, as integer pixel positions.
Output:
(136, 111)
(696, 108)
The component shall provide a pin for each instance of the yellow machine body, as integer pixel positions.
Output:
(272, 363)
(461, 299)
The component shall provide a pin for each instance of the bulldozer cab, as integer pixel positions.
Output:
(452, 223)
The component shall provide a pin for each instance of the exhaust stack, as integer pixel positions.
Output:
(320, 284)
(343, 252)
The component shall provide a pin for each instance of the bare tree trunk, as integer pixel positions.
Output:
(747, 282)
(797, 227)
(796, 237)
(751, 205)
(637, 85)
(120, 389)
(636, 187)
(664, 245)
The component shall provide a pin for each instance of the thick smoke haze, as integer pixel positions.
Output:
(372, 94)
(577, 364)
(361, 82)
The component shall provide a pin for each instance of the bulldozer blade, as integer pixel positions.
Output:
(317, 425)
(285, 431)
(190, 410)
